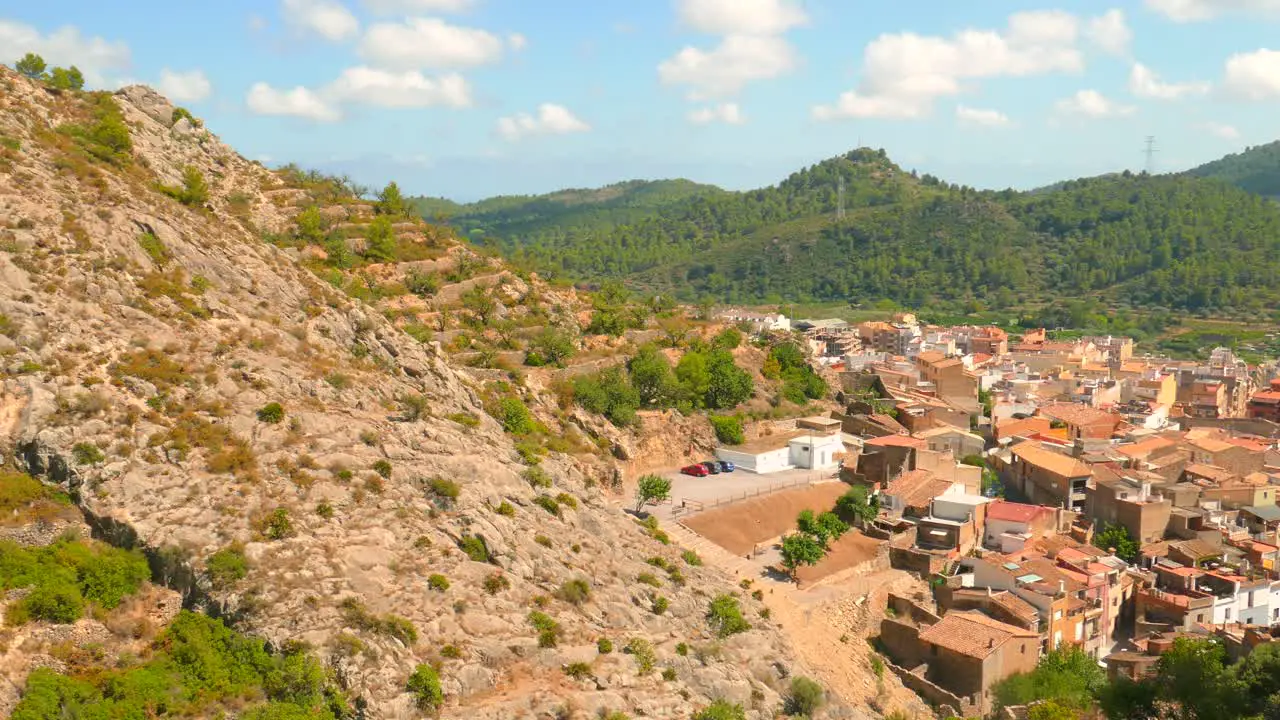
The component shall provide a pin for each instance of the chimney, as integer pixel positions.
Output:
(991, 642)
(1062, 587)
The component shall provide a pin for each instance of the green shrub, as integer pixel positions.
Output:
(682, 649)
(155, 249)
(422, 284)
(721, 710)
(542, 540)
(806, 697)
(87, 454)
(197, 667)
(567, 500)
(537, 477)
(549, 631)
(179, 113)
(324, 510)
(578, 670)
(728, 429)
(444, 489)
(271, 413)
(604, 646)
(383, 468)
(548, 503)
(424, 683)
(691, 558)
(505, 509)
(277, 525)
(575, 592)
(438, 582)
(453, 652)
(515, 416)
(496, 583)
(67, 574)
(649, 578)
(725, 616)
(193, 191)
(227, 566)
(660, 605)
(464, 419)
(57, 601)
(642, 651)
(474, 547)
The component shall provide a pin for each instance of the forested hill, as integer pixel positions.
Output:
(1256, 170)
(1167, 241)
(522, 216)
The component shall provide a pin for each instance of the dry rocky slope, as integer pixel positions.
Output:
(160, 352)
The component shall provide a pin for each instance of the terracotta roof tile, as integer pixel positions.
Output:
(972, 633)
(1054, 462)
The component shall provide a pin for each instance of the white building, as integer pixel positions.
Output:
(759, 322)
(815, 444)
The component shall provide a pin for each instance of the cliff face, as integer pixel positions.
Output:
(235, 397)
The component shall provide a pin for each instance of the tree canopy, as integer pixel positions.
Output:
(1174, 242)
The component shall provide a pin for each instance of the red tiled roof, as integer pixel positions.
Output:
(971, 633)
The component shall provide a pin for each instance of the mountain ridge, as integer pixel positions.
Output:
(716, 244)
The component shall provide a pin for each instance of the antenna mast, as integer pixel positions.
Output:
(840, 199)
(1150, 151)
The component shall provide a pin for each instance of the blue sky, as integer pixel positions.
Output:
(470, 98)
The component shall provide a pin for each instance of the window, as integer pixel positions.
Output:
(1228, 613)
(1199, 617)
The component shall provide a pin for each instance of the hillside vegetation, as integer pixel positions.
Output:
(1256, 169)
(1173, 242)
(250, 383)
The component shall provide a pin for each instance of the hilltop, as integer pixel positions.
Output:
(1175, 242)
(276, 392)
(1255, 170)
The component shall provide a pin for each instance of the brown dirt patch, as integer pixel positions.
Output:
(853, 548)
(738, 527)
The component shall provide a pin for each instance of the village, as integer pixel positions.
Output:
(1040, 494)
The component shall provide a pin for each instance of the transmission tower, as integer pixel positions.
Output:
(840, 199)
(1150, 151)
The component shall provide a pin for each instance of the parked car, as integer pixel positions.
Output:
(695, 470)
(712, 466)
(726, 466)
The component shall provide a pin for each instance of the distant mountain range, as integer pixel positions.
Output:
(1203, 240)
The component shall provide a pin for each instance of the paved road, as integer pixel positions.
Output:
(713, 488)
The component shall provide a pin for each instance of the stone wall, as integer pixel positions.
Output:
(922, 563)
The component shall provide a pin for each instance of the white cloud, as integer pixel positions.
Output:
(1145, 83)
(517, 42)
(1219, 130)
(726, 69)
(428, 43)
(256, 23)
(329, 19)
(419, 6)
(1110, 32)
(1253, 76)
(982, 118)
(551, 119)
(298, 102)
(1184, 11)
(728, 113)
(66, 46)
(1092, 104)
(382, 88)
(190, 86)
(741, 17)
(903, 73)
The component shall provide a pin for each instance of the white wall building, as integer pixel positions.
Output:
(815, 444)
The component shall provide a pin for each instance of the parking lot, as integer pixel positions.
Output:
(693, 493)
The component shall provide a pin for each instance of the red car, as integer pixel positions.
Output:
(695, 470)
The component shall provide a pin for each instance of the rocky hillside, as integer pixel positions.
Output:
(181, 370)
